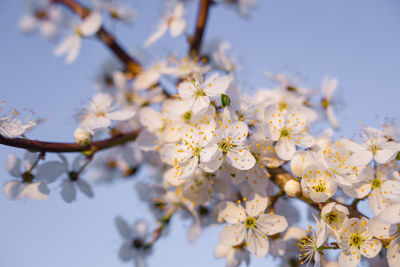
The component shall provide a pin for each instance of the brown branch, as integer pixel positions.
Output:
(280, 177)
(132, 65)
(40, 146)
(196, 39)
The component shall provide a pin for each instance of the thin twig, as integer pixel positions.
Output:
(196, 39)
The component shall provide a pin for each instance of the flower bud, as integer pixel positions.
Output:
(82, 136)
(292, 188)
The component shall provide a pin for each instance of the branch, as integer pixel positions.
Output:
(196, 39)
(40, 146)
(280, 177)
(108, 39)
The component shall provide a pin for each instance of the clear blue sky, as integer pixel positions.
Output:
(356, 41)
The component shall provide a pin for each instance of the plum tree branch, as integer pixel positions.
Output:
(196, 39)
(55, 147)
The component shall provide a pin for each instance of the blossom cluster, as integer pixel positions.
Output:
(220, 156)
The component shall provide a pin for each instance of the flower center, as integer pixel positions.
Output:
(376, 183)
(199, 92)
(73, 176)
(225, 145)
(373, 148)
(332, 217)
(250, 222)
(282, 105)
(100, 114)
(325, 103)
(196, 151)
(27, 177)
(187, 116)
(41, 14)
(137, 243)
(320, 188)
(285, 132)
(356, 240)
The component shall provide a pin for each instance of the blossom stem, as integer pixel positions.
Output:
(196, 39)
(164, 221)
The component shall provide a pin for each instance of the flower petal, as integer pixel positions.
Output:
(68, 191)
(232, 234)
(257, 243)
(285, 149)
(232, 212)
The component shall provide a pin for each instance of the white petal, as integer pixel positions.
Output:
(351, 145)
(29, 159)
(147, 141)
(64, 46)
(393, 253)
(300, 161)
(208, 153)
(91, 24)
(257, 243)
(240, 158)
(146, 79)
(213, 165)
(332, 118)
(37, 191)
(200, 105)
(378, 228)
(221, 251)
(271, 224)
(13, 165)
(94, 123)
(232, 234)
(28, 24)
(151, 119)
(285, 149)
(232, 212)
(49, 171)
(370, 248)
(256, 205)
(305, 141)
(188, 169)
(85, 188)
(126, 252)
(384, 155)
(391, 189)
(179, 10)
(121, 115)
(216, 86)
(124, 230)
(162, 28)
(390, 215)
(348, 260)
(177, 27)
(68, 191)
(358, 190)
(14, 190)
(360, 158)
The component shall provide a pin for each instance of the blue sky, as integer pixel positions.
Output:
(356, 41)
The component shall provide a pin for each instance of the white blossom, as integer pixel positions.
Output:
(173, 20)
(71, 45)
(250, 225)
